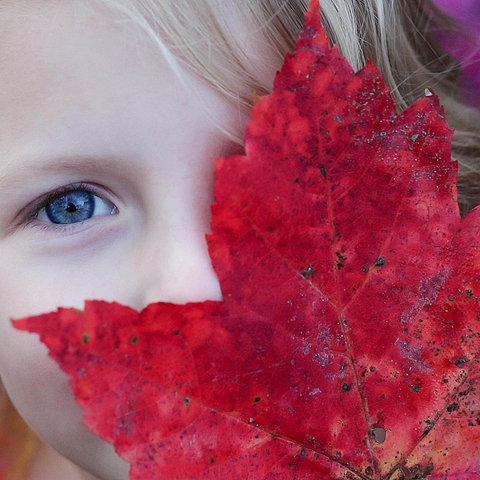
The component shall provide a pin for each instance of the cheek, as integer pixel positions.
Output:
(33, 381)
(40, 390)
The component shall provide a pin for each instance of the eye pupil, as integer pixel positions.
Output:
(71, 207)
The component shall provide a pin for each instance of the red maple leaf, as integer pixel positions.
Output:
(347, 342)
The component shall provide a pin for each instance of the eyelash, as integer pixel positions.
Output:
(56, 227)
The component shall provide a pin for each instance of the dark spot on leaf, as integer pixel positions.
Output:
(270, 229)
(257, 399)
(323, 172)
(134, 340)
(379, 434)
(176, 332)
(303, 452)
(85, 338)
(380, 262)
(345, 386)
(297, 179)
(327, 132)
(452, 407)
(460, 361)
(383, 395)
(186, 401)
(466, 392)
(364, 269)
(469, 294)
(415, 388)
(212, 460)
(341, 259)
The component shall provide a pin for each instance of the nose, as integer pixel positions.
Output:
(177, 272)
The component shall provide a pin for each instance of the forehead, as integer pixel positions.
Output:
(69, 65)
(61, 56)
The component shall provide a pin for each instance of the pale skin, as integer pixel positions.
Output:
(79, 90)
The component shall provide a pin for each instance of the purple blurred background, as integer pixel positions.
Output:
(467, 12)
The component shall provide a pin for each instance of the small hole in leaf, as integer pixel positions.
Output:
(407, 473)
(379, 434)
(134, 340)
(303, 452)
(307, 272)
(176, 332)
(85, 338)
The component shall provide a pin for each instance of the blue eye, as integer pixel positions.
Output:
(72, 207)
(69, 205)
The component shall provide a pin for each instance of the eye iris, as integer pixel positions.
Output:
(71, 207)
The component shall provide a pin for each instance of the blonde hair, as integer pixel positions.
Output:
(397, 35)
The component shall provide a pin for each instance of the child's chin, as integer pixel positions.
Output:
(45, 401)
(91, 454)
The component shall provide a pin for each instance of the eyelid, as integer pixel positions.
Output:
(28, 215)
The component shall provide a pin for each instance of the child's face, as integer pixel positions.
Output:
(86, 101)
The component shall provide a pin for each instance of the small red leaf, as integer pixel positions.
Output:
(347, 343)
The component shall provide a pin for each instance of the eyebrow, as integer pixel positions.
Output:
(29, 167)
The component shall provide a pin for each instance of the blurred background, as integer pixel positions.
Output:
(467, 13)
